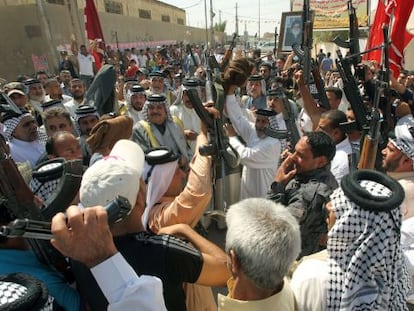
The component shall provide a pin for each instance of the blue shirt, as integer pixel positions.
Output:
(12, 261)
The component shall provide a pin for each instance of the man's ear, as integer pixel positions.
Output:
(235, 264)
(322, 161)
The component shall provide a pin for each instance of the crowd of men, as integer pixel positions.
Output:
(306, 228)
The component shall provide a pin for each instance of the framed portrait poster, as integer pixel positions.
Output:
(290, 31)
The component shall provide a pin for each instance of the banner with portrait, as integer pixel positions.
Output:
(331, 14)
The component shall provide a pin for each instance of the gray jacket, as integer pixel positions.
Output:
(305, 196)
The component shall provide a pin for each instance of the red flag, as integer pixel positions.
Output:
(94, 31)
(398, 11)
(92, 23)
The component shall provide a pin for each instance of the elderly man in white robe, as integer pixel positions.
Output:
(184, 110)
(260, 155)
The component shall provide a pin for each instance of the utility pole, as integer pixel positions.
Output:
(258, 34)
(237, 21)
(205, 17)
(220, 17)
(212, 14)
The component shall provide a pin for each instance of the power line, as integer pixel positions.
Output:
(193, 5)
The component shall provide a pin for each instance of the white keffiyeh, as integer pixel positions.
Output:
(404, 140)
(158, 178)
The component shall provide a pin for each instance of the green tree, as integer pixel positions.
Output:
(220, 27)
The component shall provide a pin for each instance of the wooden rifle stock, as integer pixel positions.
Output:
(369, 149)
(368, 153)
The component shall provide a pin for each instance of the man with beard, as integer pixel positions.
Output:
(23, 137)
(157, 82)
(77, 88)
(158, 86)
(36, 94)
(160, 129)
(293, 35)
(398, 161)
(260, 153)
(303, 183)
(184, 110)
(135, 99)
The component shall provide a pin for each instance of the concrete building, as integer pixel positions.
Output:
(33, 31)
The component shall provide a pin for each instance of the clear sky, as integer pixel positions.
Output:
(248, 13)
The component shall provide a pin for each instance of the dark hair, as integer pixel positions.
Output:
(335, 116)
(265, 64)
(321, 145)
(50, 143)
(336, 90)
(41, 72)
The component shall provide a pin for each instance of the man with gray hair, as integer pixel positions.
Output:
(262, 241)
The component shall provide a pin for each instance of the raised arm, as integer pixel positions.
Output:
(74, 45)
(214, 271)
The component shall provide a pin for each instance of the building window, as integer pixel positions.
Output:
(144, 14)
(180, 21)
(61, 2)
(165, 18)
(113, 7)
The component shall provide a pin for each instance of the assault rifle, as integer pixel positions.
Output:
(369, 148)
(223, 154)
(117, 209)
(304, 52)
(311, 75)
(229, 52)
(353, 42)
(291, 133)
(371, 139)
(352, 93)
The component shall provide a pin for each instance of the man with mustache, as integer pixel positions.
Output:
(36, 94)
(160, 129)
(303, 183)
(23, 137)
